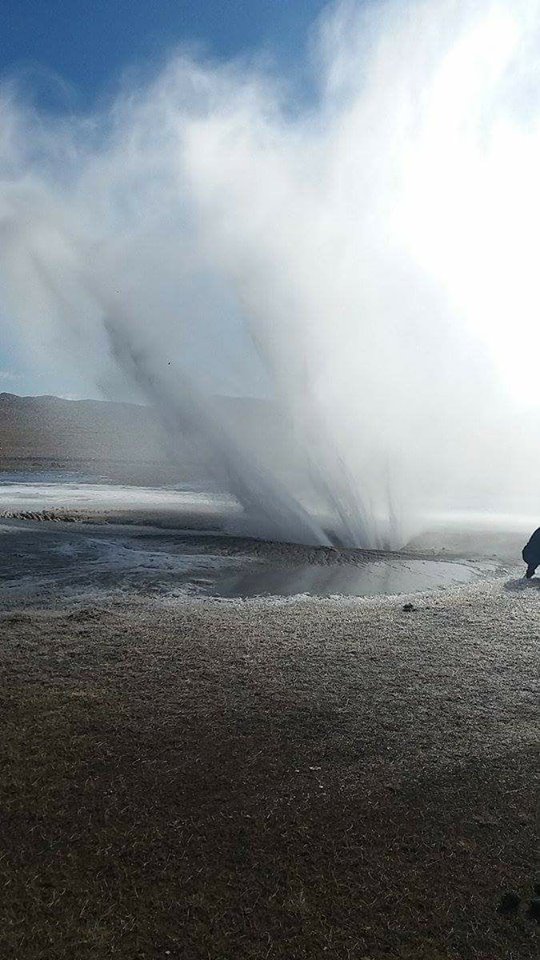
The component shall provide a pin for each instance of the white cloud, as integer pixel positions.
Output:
(10, 376)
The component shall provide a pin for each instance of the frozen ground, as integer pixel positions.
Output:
(22, 495)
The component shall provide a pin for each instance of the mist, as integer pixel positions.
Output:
(364, 259)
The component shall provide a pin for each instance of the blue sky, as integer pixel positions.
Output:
(70, 53)
(72, 50)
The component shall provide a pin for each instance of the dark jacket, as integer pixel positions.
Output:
(531, 550)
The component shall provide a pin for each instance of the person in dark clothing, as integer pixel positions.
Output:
(531, 554)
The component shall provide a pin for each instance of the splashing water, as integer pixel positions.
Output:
(366, 261)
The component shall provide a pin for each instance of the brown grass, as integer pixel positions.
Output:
(246, 784)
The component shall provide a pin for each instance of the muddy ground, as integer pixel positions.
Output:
(299, 780)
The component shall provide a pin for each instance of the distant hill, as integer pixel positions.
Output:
(48, 428)
(51, 428)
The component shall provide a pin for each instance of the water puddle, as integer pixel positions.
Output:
(395, 575)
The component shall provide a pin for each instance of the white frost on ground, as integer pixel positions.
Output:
(103, 497)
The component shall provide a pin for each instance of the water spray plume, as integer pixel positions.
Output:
(366, 263)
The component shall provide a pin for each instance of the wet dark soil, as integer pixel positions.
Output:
(40, 560)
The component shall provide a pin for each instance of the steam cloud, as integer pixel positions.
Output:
(367, 260)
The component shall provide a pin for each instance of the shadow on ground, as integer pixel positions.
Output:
(517, 586)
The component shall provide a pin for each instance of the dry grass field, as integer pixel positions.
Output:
(238, 781)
